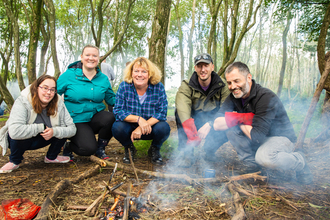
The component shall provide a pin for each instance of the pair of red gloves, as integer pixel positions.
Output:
(232, 119)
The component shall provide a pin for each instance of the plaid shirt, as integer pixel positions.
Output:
(127, 102)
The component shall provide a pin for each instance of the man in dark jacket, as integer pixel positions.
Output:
(258, 126)
(197, 101)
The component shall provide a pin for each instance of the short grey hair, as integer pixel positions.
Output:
(242, 68)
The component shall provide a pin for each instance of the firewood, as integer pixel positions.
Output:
(240, 213)
(127, 200)
(184, 177)
(63, 184)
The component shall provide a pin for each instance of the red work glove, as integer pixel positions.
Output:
(14, 209)
(190, 129)
(234, 118)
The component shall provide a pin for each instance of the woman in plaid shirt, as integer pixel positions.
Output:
(141, 109)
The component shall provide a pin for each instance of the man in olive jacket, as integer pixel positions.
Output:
(197, 101)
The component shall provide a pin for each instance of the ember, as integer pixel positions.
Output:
(136, 206)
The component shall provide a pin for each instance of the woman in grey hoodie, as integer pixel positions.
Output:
(38, 118)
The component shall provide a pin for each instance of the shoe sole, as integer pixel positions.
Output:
(58, 161)
(8, 171)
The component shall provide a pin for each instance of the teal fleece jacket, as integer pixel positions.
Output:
(83, 97)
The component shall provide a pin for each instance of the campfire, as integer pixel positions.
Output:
(130, 205)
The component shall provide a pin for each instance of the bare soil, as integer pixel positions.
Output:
(279, 197)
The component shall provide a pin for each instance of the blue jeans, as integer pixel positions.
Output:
(275, 153)
(18, 147)
(122, 132)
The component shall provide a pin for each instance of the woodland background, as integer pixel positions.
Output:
(283, 41)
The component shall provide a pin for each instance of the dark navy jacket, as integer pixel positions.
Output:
(270, 117)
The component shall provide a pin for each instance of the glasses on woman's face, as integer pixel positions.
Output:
(46, 89)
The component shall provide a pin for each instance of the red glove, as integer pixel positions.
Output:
(190, 129)
(14, 209)
(233, 118)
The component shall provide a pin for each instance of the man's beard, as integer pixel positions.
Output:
(244, 91)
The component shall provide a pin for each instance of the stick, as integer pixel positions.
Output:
(126, 201)
(186, 178)
(132, 163)
(240, 213)
(63, 184)
(313, 104)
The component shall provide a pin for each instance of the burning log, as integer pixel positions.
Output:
(91, 210)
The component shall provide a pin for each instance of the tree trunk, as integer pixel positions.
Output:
(34, 23)
(285, 34)
(44, 48)
(214, 11)
(231, 48)
(11, 14)
(52, 19)
(190, 44)
(258, 70)
(321, 63)
(176, 7)
(99, 11)
(157, 41)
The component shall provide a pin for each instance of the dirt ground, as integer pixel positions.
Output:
(278, 197)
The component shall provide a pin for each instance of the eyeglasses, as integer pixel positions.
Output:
(204, 56)
(46, 89)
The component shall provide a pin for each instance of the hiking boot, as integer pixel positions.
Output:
(245, 168)
(186, 158)
(59, 159)
(67, 152)
(8, 167)
(100, 152)
(304, 176)
(155, 156)
(133, 152)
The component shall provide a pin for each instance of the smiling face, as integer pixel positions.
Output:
(46, 96)
(238, 84)
(90, 57)
(140, 76)
(204, 71)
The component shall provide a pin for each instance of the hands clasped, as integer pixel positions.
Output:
(47, 134)
(143, 129)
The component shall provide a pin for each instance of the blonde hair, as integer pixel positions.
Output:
(154, 72)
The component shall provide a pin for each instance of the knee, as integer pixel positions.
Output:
(266, 157)
(120, 128)
(86, 149)
(162, 129)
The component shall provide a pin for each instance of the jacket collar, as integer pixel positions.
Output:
(216, 81)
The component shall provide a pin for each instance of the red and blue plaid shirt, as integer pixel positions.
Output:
(127, 102)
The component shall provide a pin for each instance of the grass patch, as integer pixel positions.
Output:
(166, 150)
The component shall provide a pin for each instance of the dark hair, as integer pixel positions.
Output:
(242, 68)
(36, 103)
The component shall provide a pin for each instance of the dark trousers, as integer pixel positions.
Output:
(84, 142)
(18, 147)
(122, 132)
(213, 140)
(246, 151)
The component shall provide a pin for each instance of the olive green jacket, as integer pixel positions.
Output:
(191, 99)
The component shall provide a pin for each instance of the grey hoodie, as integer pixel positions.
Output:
(20, 123)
